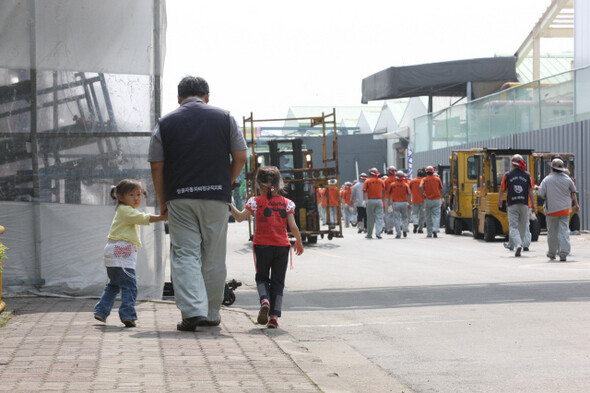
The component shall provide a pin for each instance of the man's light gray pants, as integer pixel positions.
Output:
(400, 216)
(558, 235)
(389, 220)
(518, 220)
(374, 216)
(198, 235)
(418, 215)
(432, 212)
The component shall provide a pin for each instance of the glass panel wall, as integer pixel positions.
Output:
(548, 102)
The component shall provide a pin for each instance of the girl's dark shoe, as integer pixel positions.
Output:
(273, 323)
(129, 323)
(99, 318)
(263, 314)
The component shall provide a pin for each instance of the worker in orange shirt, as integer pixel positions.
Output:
(322, 203)
(431, 190)
(332, 205)
(388, 209)
(358, 201)
(345, 196)
(400, 200)
(373, 189)
(417, 202)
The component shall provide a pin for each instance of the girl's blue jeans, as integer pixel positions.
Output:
(123, 280)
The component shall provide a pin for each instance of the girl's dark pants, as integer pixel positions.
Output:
(271, 268)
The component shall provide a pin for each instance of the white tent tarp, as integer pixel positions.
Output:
(71, 243)
(109, 36)
(79, 86)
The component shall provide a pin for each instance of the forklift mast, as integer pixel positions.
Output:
(301, 177)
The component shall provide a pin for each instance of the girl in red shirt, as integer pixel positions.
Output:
(273, 213)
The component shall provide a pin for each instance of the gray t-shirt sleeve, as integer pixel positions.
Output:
(572, 185)
(237, 141)
(156, 150)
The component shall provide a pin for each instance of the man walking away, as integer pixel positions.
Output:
(373, 190)
(192, 171)
(431, 189)
(357, 200)
(417, 202)
(559, 191)
(518, 188)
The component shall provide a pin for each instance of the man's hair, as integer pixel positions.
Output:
(193, 86)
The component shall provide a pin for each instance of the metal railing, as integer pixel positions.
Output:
(549, 102)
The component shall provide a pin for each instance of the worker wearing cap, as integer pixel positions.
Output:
(373, 189)
(417, 202)
(345, 196)
(388, 208)
(357, 200)
(518, 188)
(559, 192)
(431, 189)
(332, 205)
(400, 200)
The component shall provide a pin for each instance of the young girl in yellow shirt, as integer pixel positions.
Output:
(120, 253)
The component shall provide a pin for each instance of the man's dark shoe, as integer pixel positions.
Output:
(563, 258)
(415, 229)
(190, 324)
(405, 234)
(420, 231)
(434, 234)
(518, 250)
(525, 249)
(208, 322)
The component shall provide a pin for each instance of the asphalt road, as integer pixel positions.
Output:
(451, 314)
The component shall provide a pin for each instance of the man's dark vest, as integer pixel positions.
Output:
(196, 142)
(517, 185)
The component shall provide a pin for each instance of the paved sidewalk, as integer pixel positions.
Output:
(54, 344)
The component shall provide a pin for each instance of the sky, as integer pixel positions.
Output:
(262, 57)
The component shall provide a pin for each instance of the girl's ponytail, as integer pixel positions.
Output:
(270, 192)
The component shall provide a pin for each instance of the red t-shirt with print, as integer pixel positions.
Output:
(271, 219)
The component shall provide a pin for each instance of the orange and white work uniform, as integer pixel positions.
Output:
(373, 189)
(345, 196)
(399, 195)
(388, 214)
(418, 215)
(332, 204)
(431, 187)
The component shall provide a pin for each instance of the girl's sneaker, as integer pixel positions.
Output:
(273, 323)
(104, 319)
(263, 313)
(129, 323)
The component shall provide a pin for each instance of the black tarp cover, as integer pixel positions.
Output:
(447, 79)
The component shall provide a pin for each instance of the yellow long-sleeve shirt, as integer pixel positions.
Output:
(125, 225)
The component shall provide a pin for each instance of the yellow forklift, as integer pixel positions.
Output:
(542, 168)
(460, 196)
(301, 177)
(489, 166)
